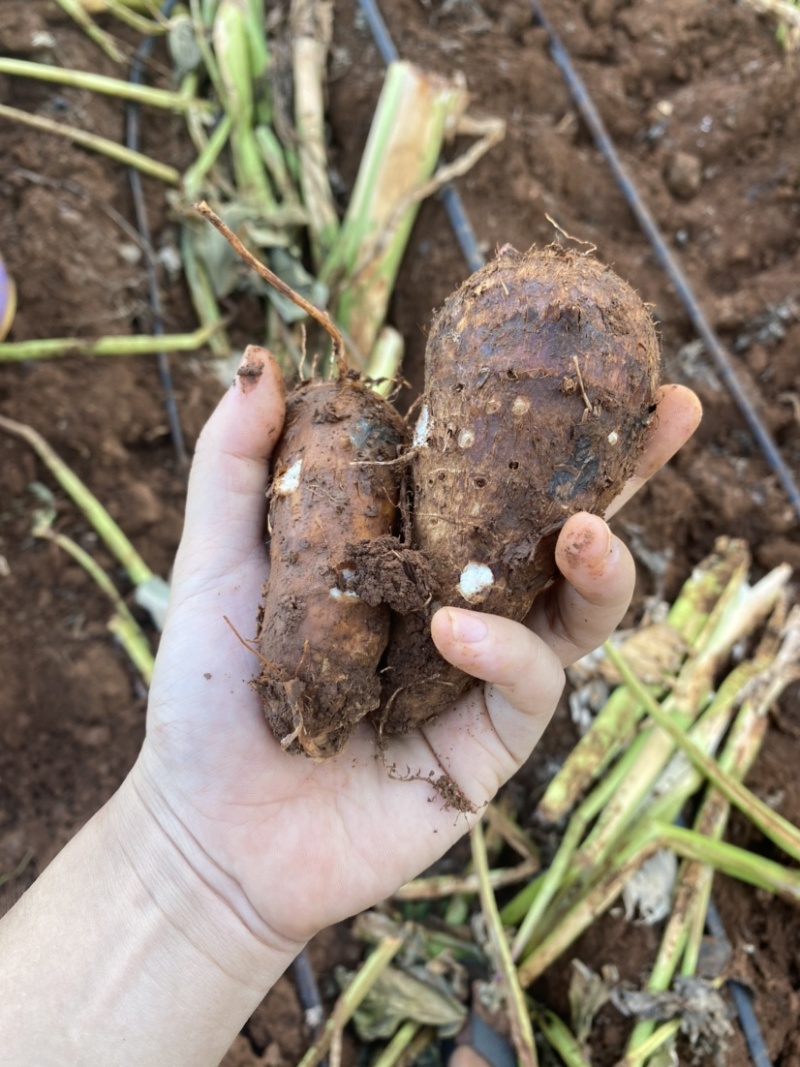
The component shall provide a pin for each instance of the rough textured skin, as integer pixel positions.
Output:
(541, 372)
(320, 643)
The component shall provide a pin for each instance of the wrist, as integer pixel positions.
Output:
(131, 948)
(195, 896)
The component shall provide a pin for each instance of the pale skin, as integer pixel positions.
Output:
(156, 932)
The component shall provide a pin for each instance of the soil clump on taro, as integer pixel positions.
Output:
(704, 81)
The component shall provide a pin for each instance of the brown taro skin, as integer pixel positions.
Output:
(540, 383)
(320, 644)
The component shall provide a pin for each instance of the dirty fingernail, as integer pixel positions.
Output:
(251, 367)
(466, 627)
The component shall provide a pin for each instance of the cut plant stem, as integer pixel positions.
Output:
(684, 931)
(123, 625)
(398, 1045)
(656, 1041)
(138, 345)
(352, 996)
(111, 535)
(552, 881)
(156, 26)
(103, 40)
(99, 6)
(638, 847)
(384, 364)
(688, 696)
(309, 53)
(405, 139)
(519, 1019)
(208, 153)
(100, 83)
(779, 830)
(233, 55)
(717, 578)
(560, 1038)
(202, 295)
(162, 171)
(632, 775)
(446, 885)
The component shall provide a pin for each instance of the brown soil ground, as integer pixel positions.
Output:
(703, 107)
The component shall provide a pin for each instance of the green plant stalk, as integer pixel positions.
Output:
(659, 1038)
(209, 154)
(398, 1044)
(308, 69)
(409, 125)
(690, 693)
(779, 830)
(162, 171)
(209, 12)
(202, 295)
(203, 23)
(638, 847)
(138, 345)
(260, 60)
(128, 13)
(663, 805)
(739, 755)
(748, 867)
(566, 878)
(553, 879)
(97, 7)
(560, 1038)
(126, 628)
(352, 997)
(274, 157)
(445, 885)
(99, 83)
(385, 361)
(520, 1020)
(684, 930)
(103, 40)
(232, 51)
(718, 577)
(136, 645)
(111, 535)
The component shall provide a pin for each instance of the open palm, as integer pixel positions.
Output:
(308, 844)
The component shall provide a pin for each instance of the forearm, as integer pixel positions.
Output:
(127, 950)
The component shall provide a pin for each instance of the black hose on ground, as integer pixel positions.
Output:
(136, 77)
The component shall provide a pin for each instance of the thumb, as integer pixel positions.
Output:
(226, 502)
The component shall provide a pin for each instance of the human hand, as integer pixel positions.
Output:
(299, 845)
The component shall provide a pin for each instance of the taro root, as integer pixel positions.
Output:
(335, 486)
(540, 380)
(320, 643)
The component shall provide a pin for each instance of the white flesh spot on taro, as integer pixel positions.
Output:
(475, 582)
(289, 481)
(521, 406)
(466, 439)
(422, 428)
(348, 574)
(339, 594)
(613, 437)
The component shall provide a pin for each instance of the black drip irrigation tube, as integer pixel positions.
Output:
(467, 241)
(136, 77)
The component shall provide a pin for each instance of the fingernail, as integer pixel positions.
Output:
(467, 627)
(610, 539)
(250, 368)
